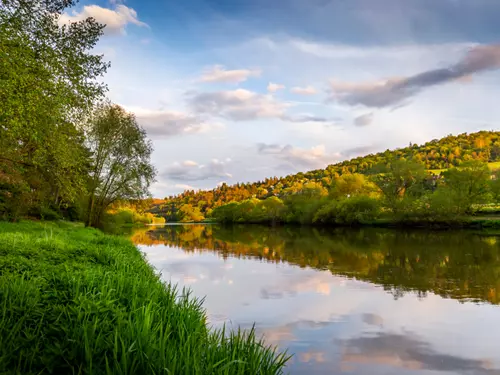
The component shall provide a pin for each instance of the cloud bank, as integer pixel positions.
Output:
(192, 171)
(395, 91)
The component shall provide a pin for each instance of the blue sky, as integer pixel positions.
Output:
(239, 90)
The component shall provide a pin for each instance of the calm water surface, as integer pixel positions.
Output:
(365, 301)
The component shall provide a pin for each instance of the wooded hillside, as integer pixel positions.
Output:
(435, 155)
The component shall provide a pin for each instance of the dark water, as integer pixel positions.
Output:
(365, 301)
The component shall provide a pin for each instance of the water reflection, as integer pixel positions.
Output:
(408, 352)
(362, 301)
(459, 265)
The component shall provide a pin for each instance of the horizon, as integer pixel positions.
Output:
(240, 91)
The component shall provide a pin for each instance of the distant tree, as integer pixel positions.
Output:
(121, 166)
(495, 187)
(352, 184)
(399, 179)
(468, 184)
(189, 213)
(274, 209)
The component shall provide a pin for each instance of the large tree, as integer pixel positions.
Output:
(48, 79)
(121, 166)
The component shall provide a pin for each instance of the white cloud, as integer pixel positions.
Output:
(315, 157)
(344, 51)
(115, 20)
(237, 105)
(218, 73)
(273, 87)
(192, 171)
(309, 90)
(189, 163)
(245, 105)
(166, 123)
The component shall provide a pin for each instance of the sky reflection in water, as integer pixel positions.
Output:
(355, 302)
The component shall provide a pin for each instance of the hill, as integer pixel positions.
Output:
(436, 155)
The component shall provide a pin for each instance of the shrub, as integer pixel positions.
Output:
(354, 210)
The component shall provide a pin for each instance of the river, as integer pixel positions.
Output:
(345, 301)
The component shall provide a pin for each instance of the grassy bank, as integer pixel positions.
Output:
(76, 301)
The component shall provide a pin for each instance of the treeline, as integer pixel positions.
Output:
(401, 192)
(65, 151)
(436, 155)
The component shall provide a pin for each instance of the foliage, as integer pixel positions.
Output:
(495, 187)
(189, 213)
(350, 185)
(353, 210)
(121, 167)
(400, 179)
(468, 184)
(49, 78)
(77, 301)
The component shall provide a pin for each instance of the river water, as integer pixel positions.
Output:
(346, 301)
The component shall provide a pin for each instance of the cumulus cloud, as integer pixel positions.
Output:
(364, 120)
(218, 73)
(166, 123)
(115, 20)
(273, 87)
(395, 91)
(192, 171)
(296, 157)
(237, 105)
(309, 90)
(245, 105)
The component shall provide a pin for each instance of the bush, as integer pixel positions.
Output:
(47, 213)
(349, 211)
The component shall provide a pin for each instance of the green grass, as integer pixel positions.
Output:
(76, 301)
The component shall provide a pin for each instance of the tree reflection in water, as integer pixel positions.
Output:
(462, 265)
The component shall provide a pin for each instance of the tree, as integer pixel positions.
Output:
(121, 166)
(48, 80)
(273, 208)
(495, 187)
(190, 213)
(401, 178)
(353, 184)
(468, 184)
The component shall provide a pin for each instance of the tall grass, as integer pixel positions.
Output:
(76, 301)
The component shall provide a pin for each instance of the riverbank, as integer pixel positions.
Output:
(75, 300)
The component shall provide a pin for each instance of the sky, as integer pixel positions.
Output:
(238, 90)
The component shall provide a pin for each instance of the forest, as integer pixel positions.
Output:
(443, 180)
